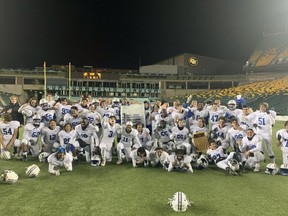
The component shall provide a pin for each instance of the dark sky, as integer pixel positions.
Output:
(116, 34)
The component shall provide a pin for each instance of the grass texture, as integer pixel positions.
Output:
(123, 190)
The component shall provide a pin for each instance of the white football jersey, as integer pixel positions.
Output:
(68, 118)
(220, 132)
(253, 145)
(144, 136)
(65, 137)
(52, 159)
(284, 138)
(186, 159)
(50, 136)
(179, 136)
(31, 132)
(61, 110)
(93, 117)
(86, 134)
(46, 116)
(127, 138)
(214, 116)
(163, 135)
(7, 130)
(216, 154)
(109, 132)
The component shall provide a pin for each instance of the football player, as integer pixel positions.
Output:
(49, 137)
(140, 157)
(216, 153)
(263, 121)
(65, 136)
(74, 118)
(8, 132)
(219, 132)
(129, 139)
(144, 136)
(109, 131)
(85, 135)
(235, 135)
(30, 137)
(158, 156)
(32, 106)
(59, 159)
(45, 112)
(162, 134)
(252, 151)
(180, 161)
(180, 136)
(282, 137)
(61, 108)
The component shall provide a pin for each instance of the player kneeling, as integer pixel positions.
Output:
(180, 161)
(140, 157)
(59, 159)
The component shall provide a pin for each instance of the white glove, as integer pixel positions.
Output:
(96, 128)
(66, 165)
(57, 173)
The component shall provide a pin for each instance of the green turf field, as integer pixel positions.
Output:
(123, 190)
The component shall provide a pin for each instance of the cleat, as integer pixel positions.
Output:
(103, 163)
(119, 161)
(257, 168)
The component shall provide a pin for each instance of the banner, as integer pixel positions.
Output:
(134, 113)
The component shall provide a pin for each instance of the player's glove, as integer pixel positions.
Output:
(255, 125)
(268, 112)
(32, 142)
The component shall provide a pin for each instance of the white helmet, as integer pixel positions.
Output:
(43, 101)
(284, 169)
(32, 171)
(202, 162)
(272, 169)
(36, 120)
(9, 176)
(129, 123)
(115, 100)
(232, 104)
(179, 202)
(27, 112)
(233, 164)
(43, 157)
(5, 155)
(95, 160)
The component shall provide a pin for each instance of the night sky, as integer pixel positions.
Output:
(127, 33)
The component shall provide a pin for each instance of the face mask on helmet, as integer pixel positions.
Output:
(95, 160)
(179, 202)
(232, 105)
(272, 169)
(36, 120)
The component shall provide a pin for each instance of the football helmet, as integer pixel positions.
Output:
(32, 171)
(284, 169)
(179, 202)
(27, 112)
(5, 155)
(43, 157)
(44, 104)
(194, 157)
(95, 160)
(272, 169)
(36, 120)
(9, 176)
(129, 123)
(233, 164)
(202, 162)
(232, 105)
